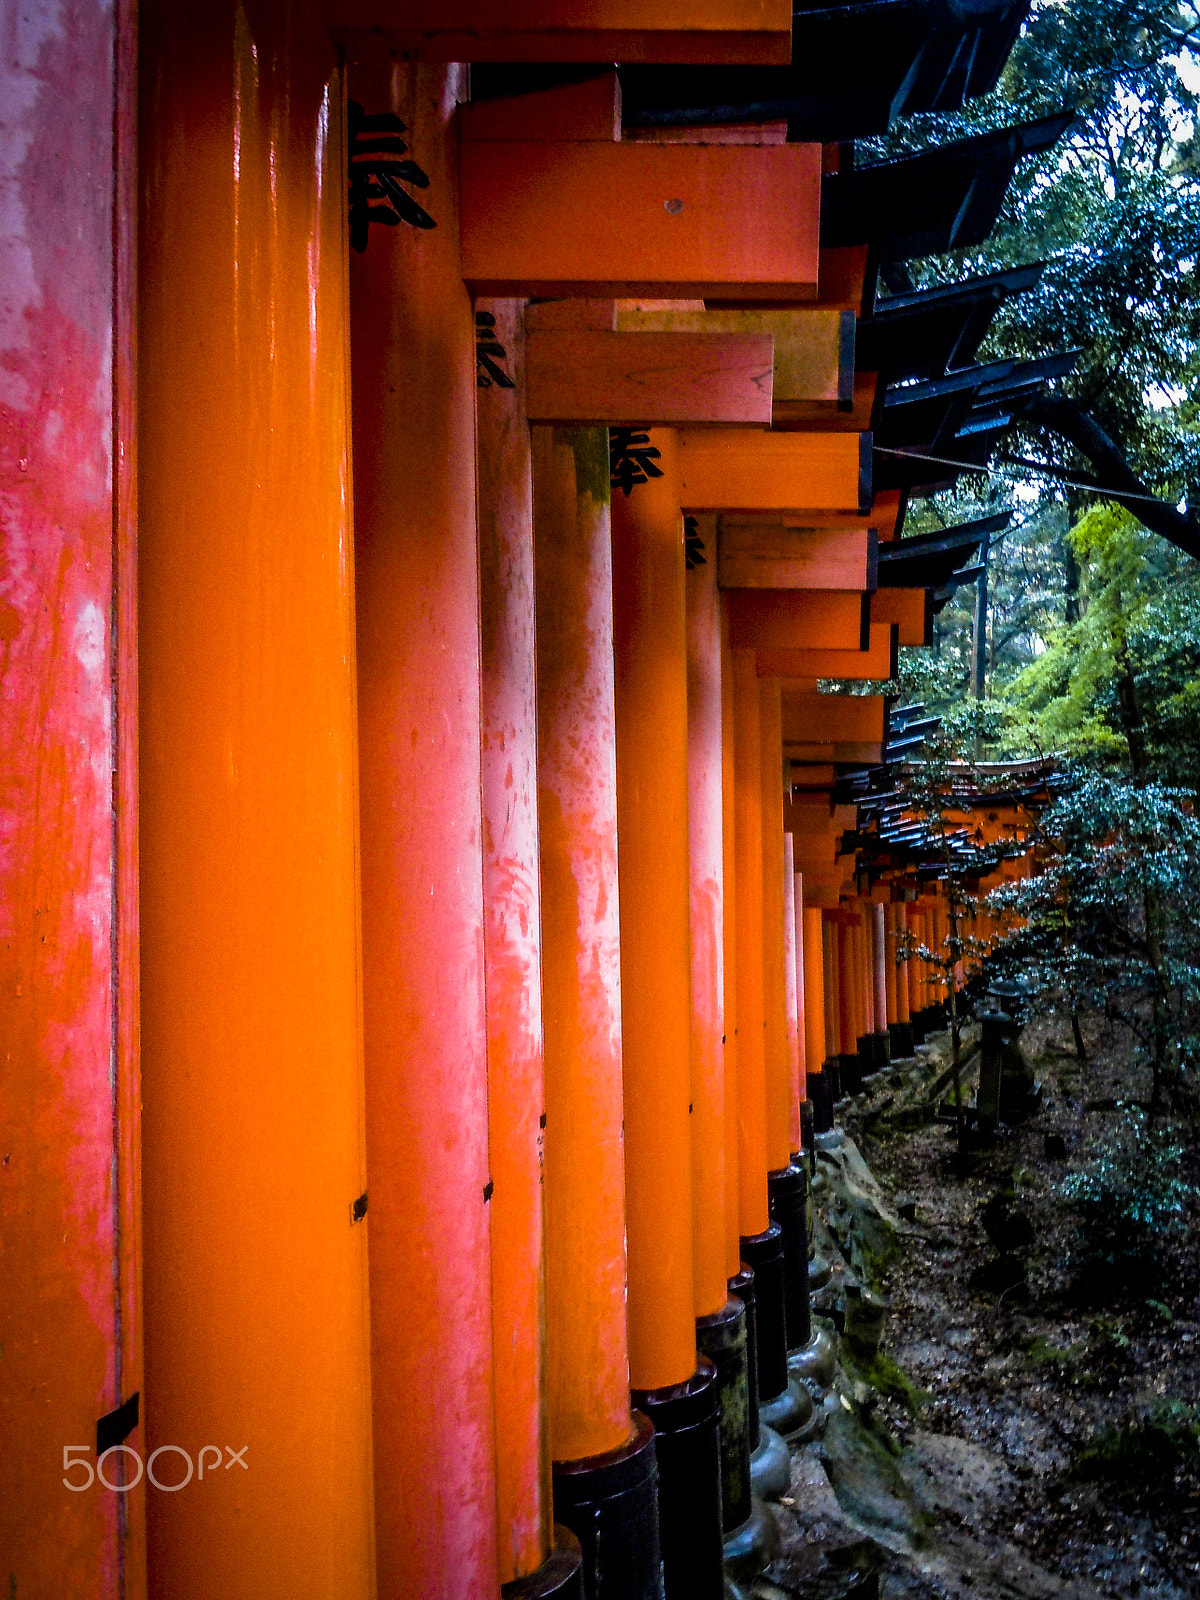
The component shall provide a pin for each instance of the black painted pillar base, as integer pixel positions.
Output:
(806, 1126)
(917, 1024)
(743, 1288)
(881, 1049)
(782, 1404)
(763, 1252)
(560, 1576)
(722, 1338)
(787, 1193)
(866, 1058)
(850, 1072)
(610, 1503)
(820, 1090)
(902, 1040)
(833, 1066)
(687, 1437)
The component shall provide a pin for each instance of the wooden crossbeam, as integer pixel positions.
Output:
(597, 218)
(877, 663)
(583, 376)
(789, 619)
(747, 469)
(712, 32)
(834, 718)
(814, 350)
(910, 609)
(767, 555)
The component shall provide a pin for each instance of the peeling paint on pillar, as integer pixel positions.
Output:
(69, 1310)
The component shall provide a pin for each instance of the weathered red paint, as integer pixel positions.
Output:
(69, 1294)
(650, 677)
(413, 348)
(793, 981)
(587, 1353)
(706, 864)
(513, 953)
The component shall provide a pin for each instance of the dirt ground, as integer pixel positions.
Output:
(1042, 1434)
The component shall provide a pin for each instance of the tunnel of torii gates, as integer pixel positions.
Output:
(482, 845)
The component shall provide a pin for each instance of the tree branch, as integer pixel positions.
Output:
(1060, 415)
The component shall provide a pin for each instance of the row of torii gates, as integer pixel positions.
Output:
(409, 835)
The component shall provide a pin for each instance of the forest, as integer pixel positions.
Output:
(1080, 636)
(1055, 1276)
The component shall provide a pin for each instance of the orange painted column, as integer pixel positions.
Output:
(650, 671)
(902, 968)
(891, 995)
(253, 1153)
(793, 979)
(913, 923)
(815, 1047)
(587, 1360)
(422, 874)
(801, 991)
(707, 906)
(70, 1202)
(748, 843)
(879, 967)
(778, 1069)
(848, 998)
(829, 973)
(729, 937)
(512, 932)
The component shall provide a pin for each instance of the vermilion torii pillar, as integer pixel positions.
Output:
(70, 1207)
(604, 1473)
(513, 959)
(422, 875)
(676, 1389)
(253, 1160)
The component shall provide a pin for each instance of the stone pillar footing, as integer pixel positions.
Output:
(751, 1548)
(789, 1413)
(770, 1465)
(815, 1364)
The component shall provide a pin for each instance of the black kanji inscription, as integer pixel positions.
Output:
(631, 458)
(377, 175)
(488, 352)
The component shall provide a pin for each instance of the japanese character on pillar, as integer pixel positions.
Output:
(377, 175)
(631, 458)
(693, 544)
(488, 353)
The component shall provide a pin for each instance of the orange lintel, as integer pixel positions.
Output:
(822, 888)
(749, 469)
(854, 752)
(584, 377)
(820, 417)
(876, 663)
(712, 32)
(910, 609)
(830, 718)
(765, 554)
(537, 218)
(812, 778)
(775, 619)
